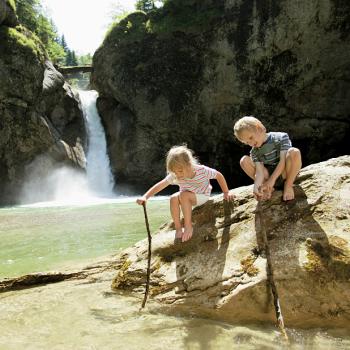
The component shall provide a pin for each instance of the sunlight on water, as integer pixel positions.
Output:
(90, 316)
(40, 238)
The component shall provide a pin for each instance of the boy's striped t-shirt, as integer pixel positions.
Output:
(269, 152)
(199, 183)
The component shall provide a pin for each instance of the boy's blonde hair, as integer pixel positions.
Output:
(179, 156)
(248, 123)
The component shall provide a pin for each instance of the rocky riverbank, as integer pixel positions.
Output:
(221, 272)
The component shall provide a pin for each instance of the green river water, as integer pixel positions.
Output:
(48, 238)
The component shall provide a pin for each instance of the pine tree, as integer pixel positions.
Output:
(145, 5)
(64, 44)
(69, 58)
(74, 59)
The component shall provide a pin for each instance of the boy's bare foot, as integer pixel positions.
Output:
(187, 234)
(179, 233)
(288, 193)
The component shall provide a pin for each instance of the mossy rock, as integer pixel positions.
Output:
(22, 38)
(12, 4)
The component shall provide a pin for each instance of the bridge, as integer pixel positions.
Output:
(75, 69)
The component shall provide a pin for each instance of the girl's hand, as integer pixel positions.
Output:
(141, 200)
(228, 196)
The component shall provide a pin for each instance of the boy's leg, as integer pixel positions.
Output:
(248, 167)
(187, 200)
(175, 213)
(293, 166)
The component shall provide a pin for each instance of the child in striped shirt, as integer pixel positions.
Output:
(193, 180)
(272, 158)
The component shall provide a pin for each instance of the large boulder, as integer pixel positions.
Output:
(40, 116)
(222, 271)
(185, 72)
(8, 15)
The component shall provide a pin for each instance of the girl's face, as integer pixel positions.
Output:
(182, 172)
(253, 138)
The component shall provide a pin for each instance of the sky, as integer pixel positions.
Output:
(84, 22)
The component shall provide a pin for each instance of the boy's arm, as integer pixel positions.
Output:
(159, 186)
(223, 185)
(259, 180)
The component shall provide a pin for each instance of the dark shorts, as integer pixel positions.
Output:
(279, 184)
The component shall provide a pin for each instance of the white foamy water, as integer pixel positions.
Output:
(48, 185)
(99, 175)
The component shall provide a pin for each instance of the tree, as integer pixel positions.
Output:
(64, 43)
(85, 59)
(30, 14)
(69, 58)
(74, 59)
(145, 5)
(27, 11)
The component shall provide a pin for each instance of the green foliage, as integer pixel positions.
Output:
(20, 36)
(131, 28)
(64, 43)
(175, 15)
(183, 15)
(71, 59)
(30, 14)
(145, 5)
(27, 11)
(85, 59)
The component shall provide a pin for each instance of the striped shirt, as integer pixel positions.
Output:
(199, 183)
(269, 152)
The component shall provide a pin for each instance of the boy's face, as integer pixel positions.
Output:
(253, 138)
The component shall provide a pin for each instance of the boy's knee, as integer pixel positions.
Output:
(244, 161)
(294, 153)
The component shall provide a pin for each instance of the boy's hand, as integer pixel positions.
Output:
(268, 186)
(258, 194)
(141, 200)
(228, 196)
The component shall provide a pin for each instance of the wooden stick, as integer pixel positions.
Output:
(149, 256)
(270, 276)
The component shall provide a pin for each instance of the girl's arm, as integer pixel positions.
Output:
(223, 184)
(159, 186)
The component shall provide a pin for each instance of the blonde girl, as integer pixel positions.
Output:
(193, 180)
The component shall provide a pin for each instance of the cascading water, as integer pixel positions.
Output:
(67, 186)
(99, 175)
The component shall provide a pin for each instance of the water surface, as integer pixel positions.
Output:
(37, 238)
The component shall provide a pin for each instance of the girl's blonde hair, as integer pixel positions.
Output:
(248, 123)
(179, 156)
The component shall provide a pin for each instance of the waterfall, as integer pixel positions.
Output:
(99, 175)
(67, 186)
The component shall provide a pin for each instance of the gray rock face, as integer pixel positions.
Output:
(39, 114)
(222, 271)
(7, 14)
(187, 71)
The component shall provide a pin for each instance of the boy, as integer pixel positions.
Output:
(271, 157)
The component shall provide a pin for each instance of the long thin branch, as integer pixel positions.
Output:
(149, 256)
(270, 276)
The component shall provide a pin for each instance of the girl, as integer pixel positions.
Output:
(193, 179)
